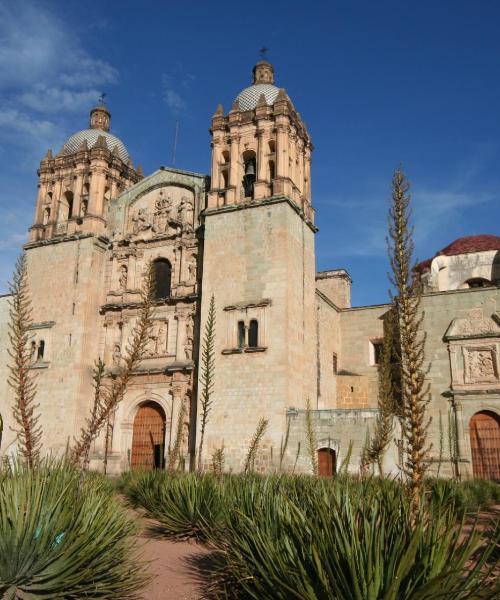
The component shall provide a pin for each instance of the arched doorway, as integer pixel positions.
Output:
(485, 445)
(327, 462)
(148, 439)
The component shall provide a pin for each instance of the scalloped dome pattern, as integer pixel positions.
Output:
(90, 135)
(249, 97)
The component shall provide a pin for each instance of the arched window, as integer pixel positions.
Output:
(46, 216)
(272, 173)
(33, 350)
(478, 282)
(241, 334)
(253, 334)
(224, 179)
(163, 278)
(41, 350)
(66, 207)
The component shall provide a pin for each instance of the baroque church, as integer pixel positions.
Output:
(285, 335)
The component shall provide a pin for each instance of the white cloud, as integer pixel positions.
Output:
(45, 99)
(36, 47)
(176, 90)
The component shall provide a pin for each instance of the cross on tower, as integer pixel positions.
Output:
(263, 52)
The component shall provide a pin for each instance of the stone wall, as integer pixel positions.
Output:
(336, 429)
(259, 264)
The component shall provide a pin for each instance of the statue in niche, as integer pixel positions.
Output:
(123, 278)
(189, 328)
(192, 269)
(84, 207)
(141, 221)
(188, 346)
(161, 340)
(185, 211)
(46, 215)
(117, 354)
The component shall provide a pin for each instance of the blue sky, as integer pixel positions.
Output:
(378, 83)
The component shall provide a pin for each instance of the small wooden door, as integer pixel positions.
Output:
(485, 445)
(327, 462)
(148, 439)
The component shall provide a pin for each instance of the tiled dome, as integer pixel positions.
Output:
(90, 136)
(249, 97)
(464, 245)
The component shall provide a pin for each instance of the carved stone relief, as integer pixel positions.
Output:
(157, 340)
(480, 364)
(168, 211)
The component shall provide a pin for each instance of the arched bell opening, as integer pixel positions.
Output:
(249, 173)
(148, 437)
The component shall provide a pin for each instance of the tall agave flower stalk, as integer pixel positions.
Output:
(207, 375)
(254, 445)
(376, 445)
(311, 439)
(415, 392)
(175, 451)
(21, 378)
(108, 396)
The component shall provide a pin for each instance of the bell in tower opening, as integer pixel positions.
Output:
(249, 177)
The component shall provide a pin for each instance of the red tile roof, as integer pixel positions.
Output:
(465, 245)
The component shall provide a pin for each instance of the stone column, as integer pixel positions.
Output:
(281, 151)
(180, 355)
(232, 193)
(215, 165)
(77, 194)
(307, 175)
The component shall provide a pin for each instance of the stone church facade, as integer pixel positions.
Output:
(284, 333)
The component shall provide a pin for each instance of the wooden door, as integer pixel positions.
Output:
(485, 445)
(327, 462)
(148, 439)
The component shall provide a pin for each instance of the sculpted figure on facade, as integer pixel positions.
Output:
(122, 282)
(141, 221)
(192, 269)
(116, 356)
(186, 213)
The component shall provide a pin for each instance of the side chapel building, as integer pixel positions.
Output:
(284, 333)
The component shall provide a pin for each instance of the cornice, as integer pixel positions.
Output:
(258, 204)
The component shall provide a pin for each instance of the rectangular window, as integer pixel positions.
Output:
(253, 334)
(376, 347)
(241, 334)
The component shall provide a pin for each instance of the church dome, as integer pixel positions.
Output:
(464, 245)
(263, 83)
(100, 119)
(472, 243)
(90, 136)
(249, 97)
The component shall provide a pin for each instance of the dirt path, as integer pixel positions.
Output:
(177, 567)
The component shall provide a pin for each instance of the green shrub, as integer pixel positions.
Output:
(185, 506)
(62, 537)
(347, 545)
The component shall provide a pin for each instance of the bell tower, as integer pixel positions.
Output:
(74, 187)
(258, 262)
(261, 148)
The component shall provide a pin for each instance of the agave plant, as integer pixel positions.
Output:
(61, 537)
(347, 545)
(185, 506)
